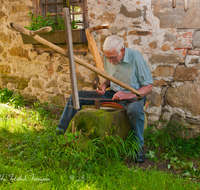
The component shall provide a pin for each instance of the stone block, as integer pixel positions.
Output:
(153, 45)
(1, 49)
(5, 69)
(155, 99)
(182, 128)
(185, 74)
(21, 82)
(36, 83)
(194, 52)
(97, 123)
(185, 97)
(52, 83)
(169, 37)
(5, 38)
(196, 39)
(18, 51)
(137, 41)
(130, 14)
(176, 18)
(107, 17)
(170, 58)
(20, 8)
(139, 33)
(163, 71)
(161, 82)
(165, 47)
(2, 14)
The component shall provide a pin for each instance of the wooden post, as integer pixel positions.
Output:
(71, 55)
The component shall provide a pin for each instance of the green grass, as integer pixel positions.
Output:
(32, 156)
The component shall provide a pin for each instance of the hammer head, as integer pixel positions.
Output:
(95, 83)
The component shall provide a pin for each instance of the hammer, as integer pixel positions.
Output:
(95, 51)
(96, 84)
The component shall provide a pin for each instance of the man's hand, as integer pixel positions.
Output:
(103, 87)
(118, 96)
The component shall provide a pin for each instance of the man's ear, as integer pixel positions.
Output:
(123, 50)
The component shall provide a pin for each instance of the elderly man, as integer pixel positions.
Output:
(128, 66)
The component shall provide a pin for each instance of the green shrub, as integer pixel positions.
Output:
(56, 22)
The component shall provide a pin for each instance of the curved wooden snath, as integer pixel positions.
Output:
(93, 46)
(78, 60)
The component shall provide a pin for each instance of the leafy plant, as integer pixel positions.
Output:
(56, 22)
(11, 97)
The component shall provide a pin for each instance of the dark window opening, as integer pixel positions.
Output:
(78, 10)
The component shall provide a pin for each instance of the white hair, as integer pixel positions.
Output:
(112, 42)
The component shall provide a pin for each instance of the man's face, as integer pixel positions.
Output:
(114, 57)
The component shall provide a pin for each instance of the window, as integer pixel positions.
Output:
(78, 10)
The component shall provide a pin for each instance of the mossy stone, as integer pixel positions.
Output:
(97, 123)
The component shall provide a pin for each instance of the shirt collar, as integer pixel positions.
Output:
(125, 59)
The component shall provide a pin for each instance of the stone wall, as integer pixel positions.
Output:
(171, 51)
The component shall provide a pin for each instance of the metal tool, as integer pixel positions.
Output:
(99, 100)
(96, 84)
(66, 11)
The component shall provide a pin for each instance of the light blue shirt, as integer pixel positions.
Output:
(132, 70)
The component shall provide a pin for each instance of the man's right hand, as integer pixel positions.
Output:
(103, 87)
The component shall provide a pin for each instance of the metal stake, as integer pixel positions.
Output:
(66, 11)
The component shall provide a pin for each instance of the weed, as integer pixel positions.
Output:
(33, 156)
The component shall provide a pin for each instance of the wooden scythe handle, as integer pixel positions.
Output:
(41, 30)
(78, 60)
(93, 46)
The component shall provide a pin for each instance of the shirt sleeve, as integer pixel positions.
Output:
(143, 72)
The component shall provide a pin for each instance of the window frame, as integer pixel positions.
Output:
(38, 10)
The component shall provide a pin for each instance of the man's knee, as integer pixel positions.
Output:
(135, 110)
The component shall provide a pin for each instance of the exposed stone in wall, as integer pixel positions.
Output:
(165, 47)
(18, 51)
(20, 8)
(153, 45)
(2, 14)
(36, 83)
(52, 83)
(163, 71)
(196, 40)
(5, 69)
(185, 74)
(155, 99)
(1, 49)
(186, 97)
(163, 58)
(187, 130)
(137, 41)
(169, 37)
(107, 17)
(139, 33)
(5, 38)
(21, 82)
(132, 14)
(161, 82)
(177, 17)
(194, 52)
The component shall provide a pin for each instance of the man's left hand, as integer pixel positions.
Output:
(118, 96)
